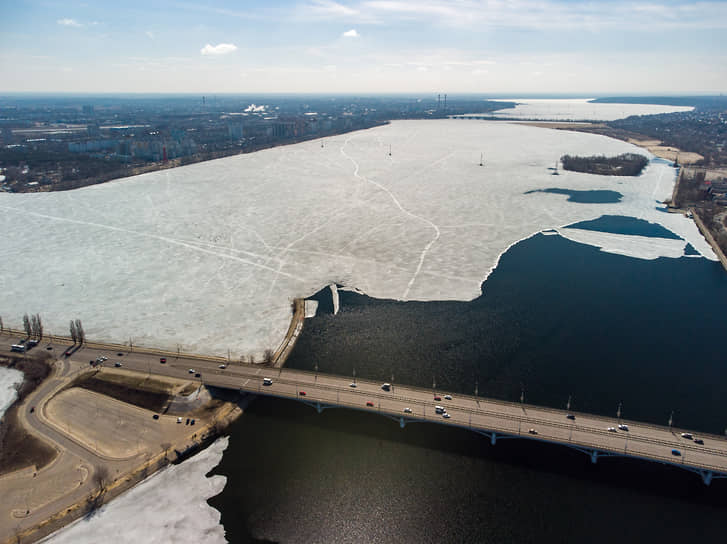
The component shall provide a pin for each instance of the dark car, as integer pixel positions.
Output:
(698, 441)
(197, 375)
(677, 453)
(302, 393)
(67, 353)
(369, 403)
(32, 409)
(162, 359)
(155, 416)
(191, 422)
(120, 354)
(571, 416)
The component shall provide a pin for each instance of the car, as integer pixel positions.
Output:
(688, 436)
(532, 431)
(352, 384)
(191, 371)
(699, 441)
(386, 386)
(187, 422)
(92, 362)
(119, 354)
(31, 343)
(407, 410)
(302, 393)
(611, 429)
(267, 381)
(191, 422)
(623, 427)
(103, 358)
(49, 348)
(571, 417)
(155, 416)
(369, 403)
(446, 415)
(447, 397)
(437, 397)
(197, 374)
(439, 409)
(179, 420)
(162, 360)
(222, 367)
(117, 364)
(32, 409)
(676, 453)
(67, 353)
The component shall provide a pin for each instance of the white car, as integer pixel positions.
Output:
(267, 381)
(532, 431)
(623, 427)
(688, 436)
(407, 410)
(222, 367)
(352, 384)
(611, 429)
(191, 371)
(446, 415)
(447, 397)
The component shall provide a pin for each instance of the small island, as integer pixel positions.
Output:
(626, 164)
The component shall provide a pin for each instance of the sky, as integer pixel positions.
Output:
(364, 46)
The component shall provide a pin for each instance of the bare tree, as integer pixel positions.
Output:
(79, 331)
(102, 478)
(74, 333)
(268, 356)
(39, 331)
(242, 359)
(1, 324)
(27, 326)
(251, 359)
(34, 325)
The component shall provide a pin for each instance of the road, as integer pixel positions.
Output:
(493, 418)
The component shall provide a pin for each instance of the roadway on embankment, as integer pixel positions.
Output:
(587, 431)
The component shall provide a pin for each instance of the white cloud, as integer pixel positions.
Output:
(220, 49)
(149, 34)
(351, 34)
(69, 22)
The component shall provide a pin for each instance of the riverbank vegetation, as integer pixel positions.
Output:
(626, 164)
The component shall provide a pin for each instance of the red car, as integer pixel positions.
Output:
(369, 403)
(302, 393)
(437, 397)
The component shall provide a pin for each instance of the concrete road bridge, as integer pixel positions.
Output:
(595, 436)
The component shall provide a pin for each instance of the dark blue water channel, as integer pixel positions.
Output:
(556, 318)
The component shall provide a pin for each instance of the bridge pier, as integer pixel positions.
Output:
(594, 457)
(493, 438)
(402, 422)
(319, 408)
(706, 476)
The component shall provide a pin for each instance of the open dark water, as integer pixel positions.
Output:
(556, 318)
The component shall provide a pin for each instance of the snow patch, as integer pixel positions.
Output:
(171, 506)
(9, 378)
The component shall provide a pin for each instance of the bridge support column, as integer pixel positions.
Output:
(706, 476)
(318, 407)
(493, 438)
(594, 457)
(402, 422)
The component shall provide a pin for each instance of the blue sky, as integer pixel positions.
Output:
(365, 46)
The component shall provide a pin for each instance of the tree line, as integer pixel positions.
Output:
(626, 164)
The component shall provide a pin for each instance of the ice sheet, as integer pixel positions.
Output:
(209, 256)
(643, 247)
(578, 109)
(168, 507)
(9, 378)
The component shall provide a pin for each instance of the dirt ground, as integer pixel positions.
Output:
(665, 152)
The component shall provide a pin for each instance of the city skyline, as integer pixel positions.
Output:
(315, 46)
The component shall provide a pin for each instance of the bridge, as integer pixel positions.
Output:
(596, 436)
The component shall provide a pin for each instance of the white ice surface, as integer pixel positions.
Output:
(311, 307)
(209, 256)
(578, 109)
(168, 507)
(334, 296)
(9, 378)
(643, 247)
